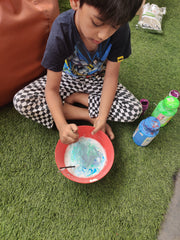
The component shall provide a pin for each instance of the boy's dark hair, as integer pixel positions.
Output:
(116, 12)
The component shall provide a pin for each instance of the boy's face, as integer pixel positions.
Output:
(92, 29)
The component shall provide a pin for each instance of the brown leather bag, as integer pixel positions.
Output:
(24, 29)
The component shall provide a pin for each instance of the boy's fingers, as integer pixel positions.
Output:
(74, 128)
(108, 131)
(74, 133)
(93, 132)
(70, 134)
(69, 140)
(96, 129)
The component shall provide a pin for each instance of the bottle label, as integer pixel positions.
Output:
(137, 129)
(147, 141)
(163, 119)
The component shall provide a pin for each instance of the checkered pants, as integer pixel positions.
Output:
(30, 101)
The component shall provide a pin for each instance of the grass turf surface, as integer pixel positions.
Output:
(129, 203)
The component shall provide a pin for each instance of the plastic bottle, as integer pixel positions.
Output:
(145, 104)
(146, 131)
(166, 109)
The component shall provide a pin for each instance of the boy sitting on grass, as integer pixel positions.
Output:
(83, 54)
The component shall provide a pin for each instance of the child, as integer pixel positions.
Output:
(82, 57)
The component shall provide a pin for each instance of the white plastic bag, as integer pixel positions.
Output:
(151, 19)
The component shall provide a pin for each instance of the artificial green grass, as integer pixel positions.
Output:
(38, 202)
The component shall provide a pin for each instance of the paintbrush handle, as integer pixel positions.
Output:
(61, 168)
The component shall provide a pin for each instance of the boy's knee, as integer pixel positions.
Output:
(137, 111)
(19, 102)
(15, 101)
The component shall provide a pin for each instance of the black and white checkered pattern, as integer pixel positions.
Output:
(30, 101)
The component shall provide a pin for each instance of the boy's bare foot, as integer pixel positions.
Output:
(109, 131)
(81, 98)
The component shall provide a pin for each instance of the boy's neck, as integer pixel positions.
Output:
(89, 48)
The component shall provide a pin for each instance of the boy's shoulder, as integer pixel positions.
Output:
(65, 17)
(125, 29)
(122, 34)
(64, 25)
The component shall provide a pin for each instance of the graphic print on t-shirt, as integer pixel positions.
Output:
(84, 63)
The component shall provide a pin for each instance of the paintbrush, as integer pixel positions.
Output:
(62, 168)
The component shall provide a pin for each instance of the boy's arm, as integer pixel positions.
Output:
(68, 132)
(108, 94)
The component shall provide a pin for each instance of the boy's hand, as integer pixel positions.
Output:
(69, 133)
(103, 126)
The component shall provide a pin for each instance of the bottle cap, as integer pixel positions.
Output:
(152, 123)
(174, 93)
(145, 104)
(171, 102)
